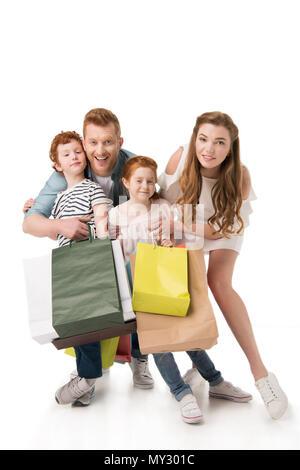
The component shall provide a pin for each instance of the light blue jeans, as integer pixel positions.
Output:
(170, 373)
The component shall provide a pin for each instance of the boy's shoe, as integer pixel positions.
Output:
(76, 388)
(227, 391)
(190, 410)
(142, 377)
(85, 399)
(192, 377)
(273, 396)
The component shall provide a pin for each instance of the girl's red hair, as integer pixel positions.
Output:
(137, 162)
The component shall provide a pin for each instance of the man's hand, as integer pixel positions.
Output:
(29, 203)
(74, 228)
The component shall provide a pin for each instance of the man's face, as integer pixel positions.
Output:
(102, 146)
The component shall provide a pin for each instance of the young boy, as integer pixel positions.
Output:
(85, 199)
(82, 198)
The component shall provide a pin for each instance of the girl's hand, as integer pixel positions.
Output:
(166, 243)
(29, 203)
(155, 227)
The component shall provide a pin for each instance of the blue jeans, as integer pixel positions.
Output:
(88, 360)
(170, 373)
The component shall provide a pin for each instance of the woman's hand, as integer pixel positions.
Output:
(209, 233)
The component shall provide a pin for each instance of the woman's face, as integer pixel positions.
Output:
(212, 145)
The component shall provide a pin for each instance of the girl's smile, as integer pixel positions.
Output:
(141, 185)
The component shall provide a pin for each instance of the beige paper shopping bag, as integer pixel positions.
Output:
(198, 330)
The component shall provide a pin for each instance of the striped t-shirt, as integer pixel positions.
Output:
(78, 201)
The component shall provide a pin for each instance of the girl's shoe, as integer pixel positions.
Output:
(190, 410)
(273, 396)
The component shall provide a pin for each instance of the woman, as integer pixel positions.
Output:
(209, 172)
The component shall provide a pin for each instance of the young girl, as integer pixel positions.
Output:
(137, 219)
(209, 172)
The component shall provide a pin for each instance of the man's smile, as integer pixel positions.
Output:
(101, 159)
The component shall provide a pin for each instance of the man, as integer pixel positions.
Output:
(102, 142)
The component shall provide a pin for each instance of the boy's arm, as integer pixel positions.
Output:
(37, 222)
(100, 215)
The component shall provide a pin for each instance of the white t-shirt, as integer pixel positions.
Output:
(105, 183)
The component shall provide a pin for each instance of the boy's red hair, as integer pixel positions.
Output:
(62, 138)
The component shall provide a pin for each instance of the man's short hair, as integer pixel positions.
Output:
(62, 138)
(101, 117)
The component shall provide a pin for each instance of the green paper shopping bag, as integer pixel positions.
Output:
(85, 294)
(161, 280)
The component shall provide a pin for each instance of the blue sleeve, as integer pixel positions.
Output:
(130, 154)
(45, 200)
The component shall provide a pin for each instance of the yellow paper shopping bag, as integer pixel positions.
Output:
(108, 351)
(161, 280)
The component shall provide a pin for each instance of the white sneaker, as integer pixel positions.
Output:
(142, 377)
(76, 388)
(192, 377)
(273, 396)
(227, 391)
(190, 410)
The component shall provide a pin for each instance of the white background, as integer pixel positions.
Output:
(157, 65)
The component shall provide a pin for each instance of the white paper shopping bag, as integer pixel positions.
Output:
(123, 283)
(39, 298)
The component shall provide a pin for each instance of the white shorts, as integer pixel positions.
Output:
(233, 243)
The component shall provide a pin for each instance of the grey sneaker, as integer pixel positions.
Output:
(227, 391)
(85, 399)
(190, 410)
(273, 396)
(141, 374)
(76, 388)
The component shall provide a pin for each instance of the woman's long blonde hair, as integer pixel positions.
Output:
(227, 192)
